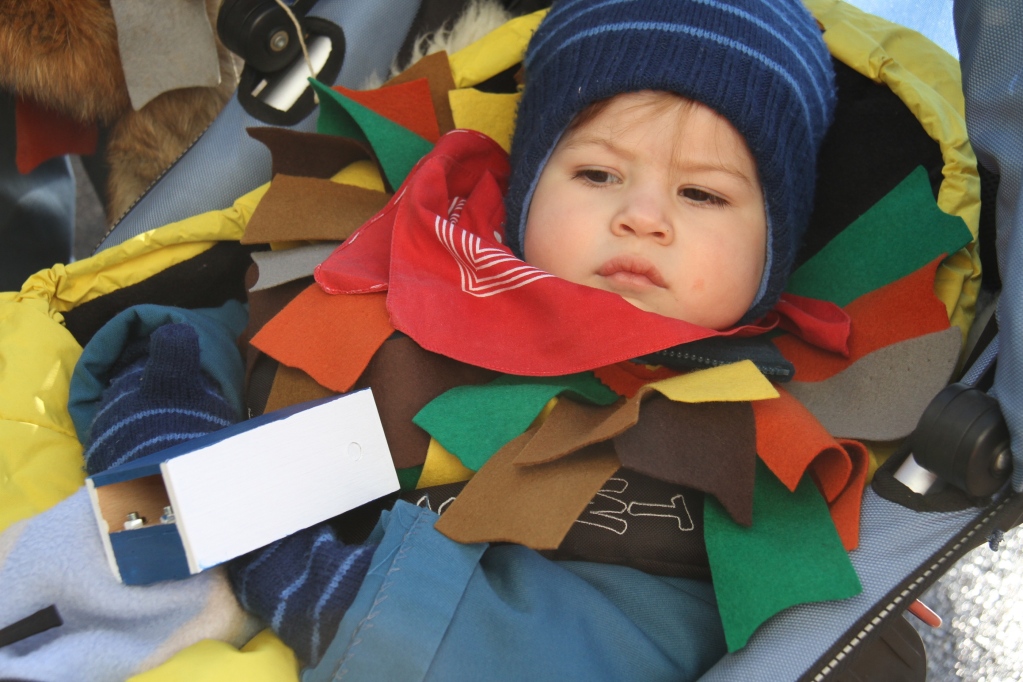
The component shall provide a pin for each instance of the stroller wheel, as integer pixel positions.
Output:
(258, 31)
(962, 437)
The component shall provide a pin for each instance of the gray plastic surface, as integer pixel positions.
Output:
(226, 163)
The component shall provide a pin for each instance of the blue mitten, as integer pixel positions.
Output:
(302, 585)
(158, 396)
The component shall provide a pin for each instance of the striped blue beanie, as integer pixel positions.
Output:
(762, 64)
(158, 396)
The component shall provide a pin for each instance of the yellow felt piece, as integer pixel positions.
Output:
(545, 412)
(927, 79)
(492, 114)
(363, 173)
(495, 52)
(442, 467)
(879, 453)
(264, 659)
(735, 382)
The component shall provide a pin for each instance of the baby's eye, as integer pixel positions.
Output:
(700, 196)
(597, 177)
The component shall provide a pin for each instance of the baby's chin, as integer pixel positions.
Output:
(715, 322)
(664, 306)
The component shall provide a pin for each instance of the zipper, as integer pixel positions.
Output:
(900, 601)
(705, 361)
(152, 185)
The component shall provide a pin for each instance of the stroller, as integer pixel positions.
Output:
(131, 268)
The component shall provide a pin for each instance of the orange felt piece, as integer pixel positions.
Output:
(408, 104)
(845, 509)
(905, 309)
(43, 134)
(330, 338)
(626, 378)
(790, 440)
(436, 69)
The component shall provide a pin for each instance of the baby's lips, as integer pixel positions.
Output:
(633, 270)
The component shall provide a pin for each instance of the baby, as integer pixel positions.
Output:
(666, 151)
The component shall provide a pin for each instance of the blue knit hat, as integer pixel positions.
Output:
(761, 64)
(158, 396)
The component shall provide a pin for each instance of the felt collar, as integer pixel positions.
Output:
(438, 251)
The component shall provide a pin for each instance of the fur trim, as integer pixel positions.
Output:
(479, 18)
(63, 54)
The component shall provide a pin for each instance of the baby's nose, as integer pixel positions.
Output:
(644, 214)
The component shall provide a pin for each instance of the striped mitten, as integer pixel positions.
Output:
(158, 396)
(301, 586)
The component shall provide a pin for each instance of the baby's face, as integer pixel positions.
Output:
(657, 202)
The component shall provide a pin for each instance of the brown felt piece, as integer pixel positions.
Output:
(250, 353)
(533, 506)
(572, 426)
(309, 155)
(404, 378)
(882, 395)
(293, 386)
(296, 209)
(263, 305)
(707, 446)
(437, 72)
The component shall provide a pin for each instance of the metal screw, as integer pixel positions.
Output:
(168, 515)
(279, 40)
(134, 521)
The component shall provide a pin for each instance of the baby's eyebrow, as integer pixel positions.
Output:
(707, 165)
(599, 141)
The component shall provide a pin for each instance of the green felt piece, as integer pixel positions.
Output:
(333, 118)
(409, 477)
(474, 422)
(898, 235)
(397, 148)
(790, 555)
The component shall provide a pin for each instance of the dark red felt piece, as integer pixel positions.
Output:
(626, 378)
(43, 134)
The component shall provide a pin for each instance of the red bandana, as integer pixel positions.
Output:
(452, 286)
